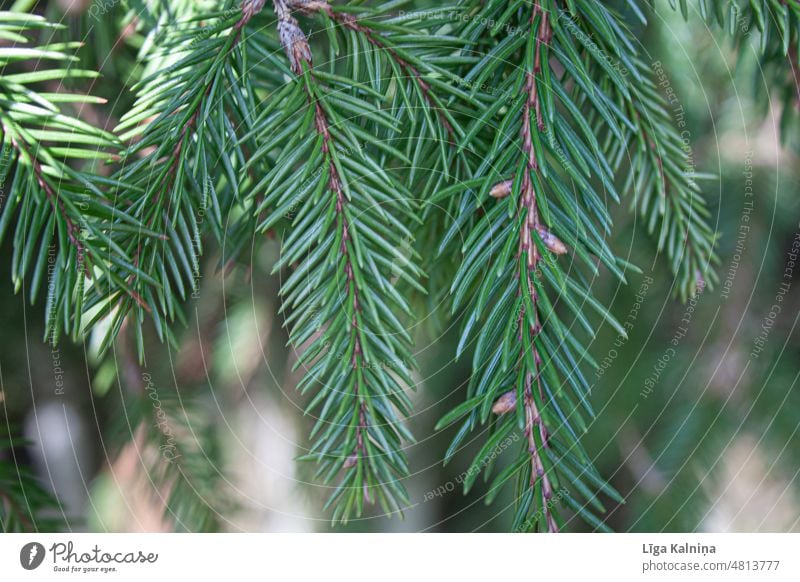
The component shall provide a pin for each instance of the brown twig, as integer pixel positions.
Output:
(73, 232)
(531, 110)
(249, 9)
(297, 50)
(351, 22)
(335, 185)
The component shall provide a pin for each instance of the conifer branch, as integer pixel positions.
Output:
(352, 23)
(25, 505)
(55, 199)
(359, 431)
(521, 345)
(172, 175)
(773, 29)
(528, 251)
(299, 54)
(480, 139)
(73, 231)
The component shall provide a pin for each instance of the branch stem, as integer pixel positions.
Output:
(298, 52)
(531, 111)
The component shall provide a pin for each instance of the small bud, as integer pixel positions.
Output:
(309, 5)
(501, 189)
(551, 241)
(351, 461)
(506, 403)
(250, 8)
(294, 44)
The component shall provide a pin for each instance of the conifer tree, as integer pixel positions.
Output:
(455, 161)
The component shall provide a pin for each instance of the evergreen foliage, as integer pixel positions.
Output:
(408, 155)
(24, 504)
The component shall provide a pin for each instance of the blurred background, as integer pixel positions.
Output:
(698, 410)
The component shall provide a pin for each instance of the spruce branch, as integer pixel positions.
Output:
(56, 200)
(403, 59)
(528, 250)
(25, 504)
(535, 190)
(351, 22)
(73, 231)
(480, 140)
(180, 165)
(176, 443)
(772, 28)
(347, 333)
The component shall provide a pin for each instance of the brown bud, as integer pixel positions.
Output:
(309, 5)
(551, 241)
(294, 44)
(501, 189)
(351, 461)
(250, 8)
(506, 403)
